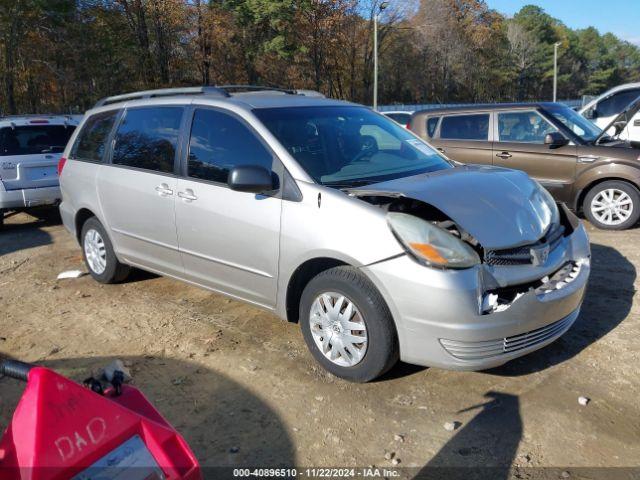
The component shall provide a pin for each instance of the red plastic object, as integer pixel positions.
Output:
(61, 428)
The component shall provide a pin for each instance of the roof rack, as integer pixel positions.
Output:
(162, 92)
(221, 91)
(256, 88)
(261, 88)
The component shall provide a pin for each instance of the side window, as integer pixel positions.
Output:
(465, 127)
(148, 137)
(523, 127)
(220, 142)
(616, 103)
(432, 123)
(92, 139)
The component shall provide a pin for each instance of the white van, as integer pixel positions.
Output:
(604, 109)
(30, 147)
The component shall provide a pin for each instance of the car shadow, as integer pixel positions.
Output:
(22, 236)
(607, 303)
(485, 447)
(223, 422)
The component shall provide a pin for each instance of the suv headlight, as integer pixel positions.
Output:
(431, 244)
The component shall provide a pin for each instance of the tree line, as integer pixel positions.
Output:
(62, 55)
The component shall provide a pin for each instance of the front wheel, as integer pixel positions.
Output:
(612, 205)
(99, 255)
(347, 325)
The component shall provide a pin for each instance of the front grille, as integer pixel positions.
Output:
(503, 346)
(522, 255)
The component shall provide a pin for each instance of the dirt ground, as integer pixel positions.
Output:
(241, 387)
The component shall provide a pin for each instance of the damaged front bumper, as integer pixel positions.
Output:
(483, 317)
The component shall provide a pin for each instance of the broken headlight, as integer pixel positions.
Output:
(431, 244)
(548, 211)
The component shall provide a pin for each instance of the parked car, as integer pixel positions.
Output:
(580, 164)
(603, 109)
(30, 147)
(327, 214)
(402, 117)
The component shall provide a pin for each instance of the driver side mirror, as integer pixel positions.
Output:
(252, 179)
(591, 114)
(555, 140)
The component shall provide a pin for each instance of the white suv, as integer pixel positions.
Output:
(30, 147)
(604, 109)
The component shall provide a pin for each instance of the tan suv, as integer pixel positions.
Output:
(587, 168)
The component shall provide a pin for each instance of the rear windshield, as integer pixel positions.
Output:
(34, 139)
(349, 146)
(401, 118)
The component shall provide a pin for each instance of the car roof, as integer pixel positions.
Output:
(486, 106)
(277, 100)
(37, 120)
(247, 97)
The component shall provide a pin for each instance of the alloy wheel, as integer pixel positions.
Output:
(95, 251)
(612, 206)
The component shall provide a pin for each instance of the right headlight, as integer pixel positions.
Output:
(431, 244)
(546, 207)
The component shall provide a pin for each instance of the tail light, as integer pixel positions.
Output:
(408, 126)
(61, 163)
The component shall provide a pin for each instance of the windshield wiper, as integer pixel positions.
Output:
(348, 183)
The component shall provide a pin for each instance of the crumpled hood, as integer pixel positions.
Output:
(501, 208)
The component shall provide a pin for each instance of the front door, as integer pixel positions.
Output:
(520, 145)
(465, 138)
(229, 240)
(137, 191)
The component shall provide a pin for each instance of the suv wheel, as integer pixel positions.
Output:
(347, 325)
(99, 255)
(612, 205)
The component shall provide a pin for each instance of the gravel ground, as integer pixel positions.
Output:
(241, 387)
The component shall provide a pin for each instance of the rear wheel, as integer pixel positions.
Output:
(347, 325)
(99, 255)
(612, 205)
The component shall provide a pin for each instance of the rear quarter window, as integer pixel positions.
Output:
(432, 124)
(465, 127)
(92, 139)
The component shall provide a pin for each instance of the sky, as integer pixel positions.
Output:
(621, 17)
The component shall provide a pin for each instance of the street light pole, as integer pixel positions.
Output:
(555, 71)
(376, 16)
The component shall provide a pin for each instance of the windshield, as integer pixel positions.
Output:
(346, 146)
(34, 139)
(575, 122)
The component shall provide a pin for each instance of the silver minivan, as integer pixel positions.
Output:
(329, 215)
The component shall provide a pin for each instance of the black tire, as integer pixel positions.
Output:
(625, 187)
(382, 342)
(1, 219)
(115, 271)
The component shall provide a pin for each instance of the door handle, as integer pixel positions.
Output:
(588, 158)
(504, 155)
(187, 195)
(164, 190)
